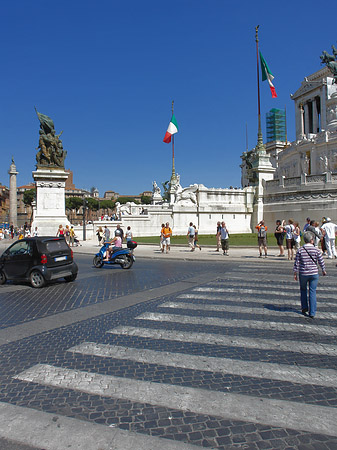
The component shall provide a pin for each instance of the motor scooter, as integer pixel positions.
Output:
(122, 256)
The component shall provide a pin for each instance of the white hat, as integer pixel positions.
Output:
(328, 219)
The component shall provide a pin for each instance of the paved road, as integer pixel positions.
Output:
(172, 355)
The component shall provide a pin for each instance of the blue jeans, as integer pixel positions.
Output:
(312, 280)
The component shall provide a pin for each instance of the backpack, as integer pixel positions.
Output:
(262, 232)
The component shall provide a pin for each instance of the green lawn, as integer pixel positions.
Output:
(243, 239)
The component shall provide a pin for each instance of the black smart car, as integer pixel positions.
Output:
(38, 260)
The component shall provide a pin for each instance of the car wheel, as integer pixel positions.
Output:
(127, 263)
(36, 279)
(71, 278)
(2, 277)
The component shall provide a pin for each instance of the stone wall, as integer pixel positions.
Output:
(311, 196)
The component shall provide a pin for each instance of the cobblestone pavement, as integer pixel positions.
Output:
(20, 303)
(225, 364)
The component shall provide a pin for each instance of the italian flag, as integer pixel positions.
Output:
(172, 129)
(267, 75)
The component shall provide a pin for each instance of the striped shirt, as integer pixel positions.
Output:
(303, 262)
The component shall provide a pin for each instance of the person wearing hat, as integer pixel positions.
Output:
(329, 232)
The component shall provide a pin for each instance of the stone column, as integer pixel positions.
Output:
(306, 119)
(13, 198)
(314, 116)
(302, 134)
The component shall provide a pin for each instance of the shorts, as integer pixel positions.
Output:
(262, 241)
(279, 238)
(166, 241)
(290, 243)
(224, 244)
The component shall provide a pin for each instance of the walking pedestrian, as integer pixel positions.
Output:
(106, 233)
(161, 236)
(72, 236)
(262, 238)
(290, 243)
(67, 234)
(218, 236)
(119, 232)
(279, 235)
(196, 245)
(305, 228)
(313, 228)
(190, 236)
(128, 234)
(224, 237)
(306, 270)
(167, 233)
(100, 235)
(60, 231)
(329, 231)
(297, 236)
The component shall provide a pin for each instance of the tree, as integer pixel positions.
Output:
(73, 203)
(146, 200)
(123, 200)
(29, 197)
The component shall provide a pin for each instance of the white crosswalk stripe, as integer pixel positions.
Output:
(234, 341)
(275, 301)
(238, 323)
(238, 309)
(254, 290)
(277, 413)
(294, 374)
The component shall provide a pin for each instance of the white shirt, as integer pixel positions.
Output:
(289, 231)
(330, 230)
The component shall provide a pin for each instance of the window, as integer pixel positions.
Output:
(19, 248)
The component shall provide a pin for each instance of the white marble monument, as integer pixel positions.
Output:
(49, 211)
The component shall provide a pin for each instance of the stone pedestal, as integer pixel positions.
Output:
(332, 112)
(50, 201)
(261, 171)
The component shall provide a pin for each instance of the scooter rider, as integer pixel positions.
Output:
(116, 242)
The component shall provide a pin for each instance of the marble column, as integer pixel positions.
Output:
(306, 119)
(314, 116)
(302, 134)
(13, 202)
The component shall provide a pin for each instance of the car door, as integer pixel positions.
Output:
(18, 259)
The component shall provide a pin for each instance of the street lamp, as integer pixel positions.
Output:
(85, 204)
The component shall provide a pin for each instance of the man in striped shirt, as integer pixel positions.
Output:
(306, 270)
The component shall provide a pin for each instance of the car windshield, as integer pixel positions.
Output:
(56, 245)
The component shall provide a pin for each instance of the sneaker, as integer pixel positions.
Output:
(311, 317)
(304, 312)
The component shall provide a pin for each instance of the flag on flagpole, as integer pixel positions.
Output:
(267, 75)
(172, 129)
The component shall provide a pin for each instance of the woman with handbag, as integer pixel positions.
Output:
(306, 270)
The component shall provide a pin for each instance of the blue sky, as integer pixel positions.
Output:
(106, 72)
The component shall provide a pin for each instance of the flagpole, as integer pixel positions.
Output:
(173, 177)
(260, 146)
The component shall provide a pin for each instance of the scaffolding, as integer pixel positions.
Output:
(276, 125)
